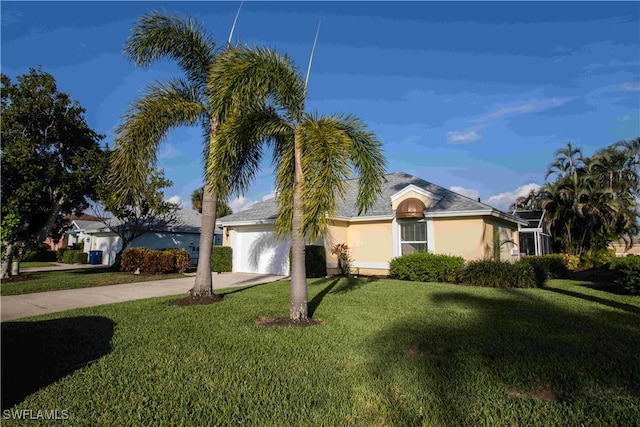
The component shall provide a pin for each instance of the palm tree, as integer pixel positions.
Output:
(165, 106)
(262, 97)
(223, 209)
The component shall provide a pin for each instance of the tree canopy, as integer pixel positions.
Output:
(51, 159)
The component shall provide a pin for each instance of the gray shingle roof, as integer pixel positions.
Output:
(187, 221)
(394, 182)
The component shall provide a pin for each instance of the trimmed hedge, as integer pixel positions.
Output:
(60, 253)
(133, 258)
(426, 267)
(315, 261)
(553, 265)
(155, 262)
(502, 274)
(41, 253)
(627, 273)
(75, 257)
(221, 259)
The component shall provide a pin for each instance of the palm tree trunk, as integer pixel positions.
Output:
(203, 285)
(298, 304)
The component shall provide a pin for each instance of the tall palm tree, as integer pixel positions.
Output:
(262, 98)
(165, 106)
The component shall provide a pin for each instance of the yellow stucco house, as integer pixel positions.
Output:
(410, 215)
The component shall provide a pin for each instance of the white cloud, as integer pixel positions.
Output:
(240, 203)
(176, 199)
(630, 86)
(456, 137)
(503, 200)
(472, 194)
(521, 107)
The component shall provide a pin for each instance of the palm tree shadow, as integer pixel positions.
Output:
(519, 342)
(626, 307)
(37, 354)
(336, 285)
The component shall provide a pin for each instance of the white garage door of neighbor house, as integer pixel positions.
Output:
(258, 251)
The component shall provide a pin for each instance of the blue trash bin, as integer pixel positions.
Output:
(95, 257)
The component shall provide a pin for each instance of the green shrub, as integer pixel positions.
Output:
(221, 259)
(597, 257)
(132, 259)
(74, 257)
(315, 261)
(60, 253)
(627, 273)
(553, 265)
(341, 251)
(502, 274)
(41, 253)
(426, 267)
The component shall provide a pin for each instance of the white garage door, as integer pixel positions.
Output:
(258, 251)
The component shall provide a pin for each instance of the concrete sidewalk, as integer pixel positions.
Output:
(18, 306)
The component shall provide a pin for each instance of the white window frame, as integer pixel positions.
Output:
(396, 234)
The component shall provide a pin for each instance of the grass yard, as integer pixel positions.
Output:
(386, 353)
(31, 282)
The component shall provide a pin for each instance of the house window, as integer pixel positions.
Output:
(413, 237)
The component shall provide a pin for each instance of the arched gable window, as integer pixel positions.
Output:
(413, 228)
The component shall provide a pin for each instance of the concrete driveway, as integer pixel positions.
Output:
(19, 306)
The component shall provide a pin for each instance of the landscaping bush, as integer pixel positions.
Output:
(221, 259)
(60, 253)
(74, 257)
(155, 262)
(181, 259)
(41, 253)
(571, 261)
(315, 261)
(132, 259)
(502, 274)
(627, 273)
(341, 251)
(553, 265)
(426, 267)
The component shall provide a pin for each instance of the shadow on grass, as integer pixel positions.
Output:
(36, 354)
(614, 304)
(482, 360)
(335, 285)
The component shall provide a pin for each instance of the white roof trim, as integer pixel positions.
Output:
(246, 222)
(416, 189)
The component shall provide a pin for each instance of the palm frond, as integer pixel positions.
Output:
(157, 35)
(244, 77)
(162, 107)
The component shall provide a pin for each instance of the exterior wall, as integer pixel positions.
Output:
(497, 231)
(621, 250)
(460, 236)
(371, 244)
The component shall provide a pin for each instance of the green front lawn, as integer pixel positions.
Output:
(31, 282)
(386, 353)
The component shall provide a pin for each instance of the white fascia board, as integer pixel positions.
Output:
(509, 218)
(250, 222)
(444, 214)
(363, 218)
(416, 189)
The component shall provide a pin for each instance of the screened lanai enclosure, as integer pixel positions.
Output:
(534, 239)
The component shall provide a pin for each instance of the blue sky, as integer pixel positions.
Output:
(474, 97)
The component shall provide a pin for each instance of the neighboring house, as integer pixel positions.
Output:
(184, 234)
(534, 238)
(410, 215)
(621, 249)
(70, 239)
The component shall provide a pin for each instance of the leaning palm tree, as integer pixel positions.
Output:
(165, 106)
(262, 98)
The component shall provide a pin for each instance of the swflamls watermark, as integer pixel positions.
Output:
(38, 414)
